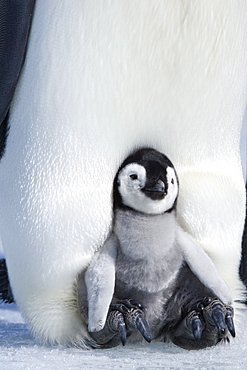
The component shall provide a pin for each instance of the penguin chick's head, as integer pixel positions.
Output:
(146, 182)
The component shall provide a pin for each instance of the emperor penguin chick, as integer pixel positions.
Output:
(131, 278)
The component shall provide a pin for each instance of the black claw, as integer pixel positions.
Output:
(126, 316)
(196, 327)
(230, 324)
(122, 332)
(219, 320)
(208, 323)
(143, 328)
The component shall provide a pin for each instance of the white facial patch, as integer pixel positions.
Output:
(132, 179)
(172, 190)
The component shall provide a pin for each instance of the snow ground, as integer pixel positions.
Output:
(19, 350)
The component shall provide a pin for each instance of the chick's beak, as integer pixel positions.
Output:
(156, 191)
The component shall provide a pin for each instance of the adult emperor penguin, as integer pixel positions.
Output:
(128, 284)
(99, 79)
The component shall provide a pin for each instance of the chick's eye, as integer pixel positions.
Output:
(134, 176)
(172, 181)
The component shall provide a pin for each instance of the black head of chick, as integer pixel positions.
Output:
(146, 182)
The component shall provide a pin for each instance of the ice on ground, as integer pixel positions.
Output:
(19, 350)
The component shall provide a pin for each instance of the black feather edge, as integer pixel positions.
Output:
(6, 294)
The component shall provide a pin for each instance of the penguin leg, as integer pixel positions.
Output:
(124, 317)
(196, 318)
